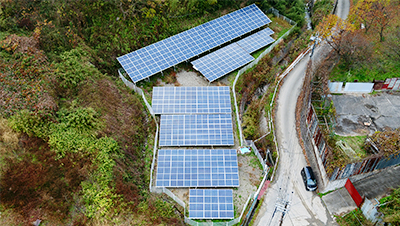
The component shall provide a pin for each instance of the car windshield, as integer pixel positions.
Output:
(311, 183)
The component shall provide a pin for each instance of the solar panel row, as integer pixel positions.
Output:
(191, 100)
(196, 130)
(164, 54)
(222, 61)
(197, 168)
(257, 40)
(211, 204)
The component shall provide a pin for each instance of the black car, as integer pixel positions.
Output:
(309, 179)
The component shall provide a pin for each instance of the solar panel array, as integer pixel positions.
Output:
(164, 54)
(197, 168)
(211, 204)
(257, 40)
(191, 100)
(196, 130)
(222, 61)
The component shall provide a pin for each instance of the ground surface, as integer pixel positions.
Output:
(339, 202)
(366, 113)
(287, 202)
(250, 173)
(249, 177)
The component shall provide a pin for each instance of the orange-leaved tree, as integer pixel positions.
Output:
(373, 13)
(348, 43)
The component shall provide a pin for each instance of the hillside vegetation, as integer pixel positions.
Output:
(75, 143)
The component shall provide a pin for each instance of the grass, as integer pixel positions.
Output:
(254, 162)
(279, 26)
(379, 70)
(354, 218)
(356, 143)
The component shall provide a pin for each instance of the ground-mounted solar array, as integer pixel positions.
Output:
(164, 54)
(191, 100)
(222, 61)
(196, 130)
(211, 204)
(197, 168)
(257, 40)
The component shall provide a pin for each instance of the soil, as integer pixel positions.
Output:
(250, 174)
(250, 178)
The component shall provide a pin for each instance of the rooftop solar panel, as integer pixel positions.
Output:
(196, 130)
(164, 54)
(211, 204)
(191, 100)
(256, 41)
(197, 168)
(222, 61)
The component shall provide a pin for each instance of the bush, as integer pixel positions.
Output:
(74, 68)
(30, 123)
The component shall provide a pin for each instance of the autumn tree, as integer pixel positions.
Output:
(374, 13)
(362, 13)
(350, 45)
(384, 14)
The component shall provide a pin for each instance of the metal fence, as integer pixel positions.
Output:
(276, 13)
(264, 166)
(367, 165)
(259, 157)
(255, 62)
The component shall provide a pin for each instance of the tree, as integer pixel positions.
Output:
(384, 14)
(374, 13)
(349, 44)
(362, 13)
(393, 45)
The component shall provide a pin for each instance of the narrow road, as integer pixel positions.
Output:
(286, 201)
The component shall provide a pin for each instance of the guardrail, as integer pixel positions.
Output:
(240, 72)
(252, 64)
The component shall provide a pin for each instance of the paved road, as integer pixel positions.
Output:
(286, 201)
(343, 9)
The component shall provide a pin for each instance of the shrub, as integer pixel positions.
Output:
(74, 68)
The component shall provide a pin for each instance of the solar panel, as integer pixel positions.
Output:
(256, 41)
(222, 61)
(197, 168)
(211, 204)
(164, 54)
(191, 100)
(196, 130)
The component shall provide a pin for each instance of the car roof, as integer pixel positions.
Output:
(308, 171)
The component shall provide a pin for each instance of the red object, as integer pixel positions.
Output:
(354, 193)
(263, 189)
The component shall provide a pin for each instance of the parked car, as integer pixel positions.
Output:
(309, 179)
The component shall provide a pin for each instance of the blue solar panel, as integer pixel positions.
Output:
(256, 41)
(211, 204)
(192, 100)
(196, 130)
(164, 54)
(222, 61)
(197, 168)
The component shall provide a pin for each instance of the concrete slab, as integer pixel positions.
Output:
(339, 202)
(365, 114)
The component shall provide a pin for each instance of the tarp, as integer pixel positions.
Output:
(244, 150)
